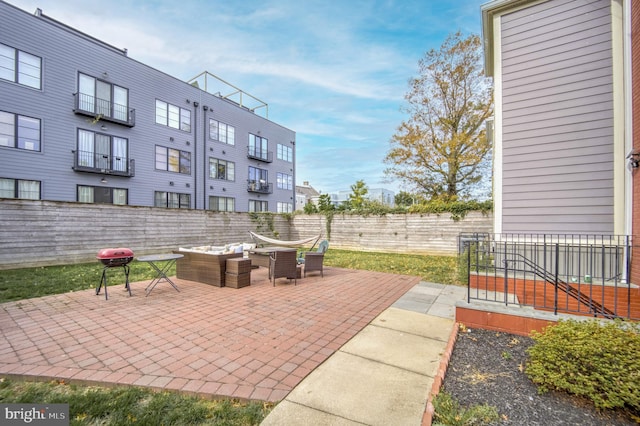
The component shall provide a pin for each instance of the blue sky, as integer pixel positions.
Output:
(334, 71)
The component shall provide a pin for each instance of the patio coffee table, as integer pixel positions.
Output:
(155, 260)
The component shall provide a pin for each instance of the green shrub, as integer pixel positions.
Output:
(448, 412)
(592, 359)
(458, 209)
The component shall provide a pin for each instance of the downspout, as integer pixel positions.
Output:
(195, 155)
(293, 169)
(204, 157)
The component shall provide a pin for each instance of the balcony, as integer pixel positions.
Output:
(103, 110)
(260, 154)
(91, 162)
(260, 187)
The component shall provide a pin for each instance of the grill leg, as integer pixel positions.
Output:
(126, 274)
(103, 280)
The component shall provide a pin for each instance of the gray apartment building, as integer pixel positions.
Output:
(80, 121)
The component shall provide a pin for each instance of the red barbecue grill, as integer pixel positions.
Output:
(112, 258)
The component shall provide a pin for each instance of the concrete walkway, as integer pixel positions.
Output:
(385, 373)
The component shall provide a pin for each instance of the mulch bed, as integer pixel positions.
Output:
(487, 367)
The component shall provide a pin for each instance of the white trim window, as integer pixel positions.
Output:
(285, 153)
(102, 98)
(172, 200)
(222, 132)
(258, 206)
(222, 204)
(173, 116)
(20, 67)
(222, 169)
(20, 188)
(285, 207)
(173, 160)
(19, 131)
(100, 151)
(284, 181)
(258, 147)
(102, 195)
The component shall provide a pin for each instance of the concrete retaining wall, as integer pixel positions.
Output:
(39, 233)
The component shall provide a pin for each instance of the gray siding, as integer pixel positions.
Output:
(557, 118)
(64, 54)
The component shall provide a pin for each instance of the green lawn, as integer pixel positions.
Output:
(18, 284)
(90, 405)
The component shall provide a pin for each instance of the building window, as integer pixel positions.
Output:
(102, 98)
(284, 181)
(285, 153)
(173, 116)
(172, 200)
(222, 204)
(104, 152)
(258, 206)
(20, 188)
(222, 132)
(20, 67)
(18, 131)
(285, 207)
(258, 147)
(102, 195)
(173, 160)
(222, 169)
(258, 180)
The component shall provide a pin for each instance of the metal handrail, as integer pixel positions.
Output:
(593, 270)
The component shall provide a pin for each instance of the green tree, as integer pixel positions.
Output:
(325, 204)
(357, 198)
(310, 208)
(442, 149)
(403, 199)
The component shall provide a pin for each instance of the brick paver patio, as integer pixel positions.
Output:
(256, 342)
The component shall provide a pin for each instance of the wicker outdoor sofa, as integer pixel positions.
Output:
(204, 265)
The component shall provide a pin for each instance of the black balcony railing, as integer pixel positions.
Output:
(91, 162)
(259, 187)
(561, 273)
(104, 110)
(260, 154)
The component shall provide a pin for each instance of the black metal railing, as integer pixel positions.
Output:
(103, 110)
(259, 187)
(578, 274)
(260, 154)
(91, 162)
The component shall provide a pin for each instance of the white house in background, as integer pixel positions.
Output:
(304, 194)
(562, 130)
(374, 194)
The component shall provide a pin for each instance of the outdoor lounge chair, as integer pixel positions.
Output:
(313, 260)
(283, 264)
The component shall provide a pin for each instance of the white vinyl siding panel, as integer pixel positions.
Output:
(557, 133)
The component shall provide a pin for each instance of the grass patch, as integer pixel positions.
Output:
(449, 412)
(18, 284)
(90, 405)
(438, 269)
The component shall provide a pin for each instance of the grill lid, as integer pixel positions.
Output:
(114, 253)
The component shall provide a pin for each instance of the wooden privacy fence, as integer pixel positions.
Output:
(40, 233)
